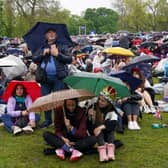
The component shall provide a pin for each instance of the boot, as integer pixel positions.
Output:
(76, 155)
(102, 153)
(111, 151)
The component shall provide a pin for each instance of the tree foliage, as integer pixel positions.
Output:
(138, 15)
(18, 16)
(101, 19)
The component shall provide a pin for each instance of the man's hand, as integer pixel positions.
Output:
(46, 51)
(54, 50)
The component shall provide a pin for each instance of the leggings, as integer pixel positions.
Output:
(105, 136)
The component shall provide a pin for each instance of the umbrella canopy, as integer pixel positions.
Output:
(32, 88)
(118, 51)
(18, 68)
(133, 82)
(35, 37)
(148, 44)
(97, 47)
(96, 82)
(55, 99)
(87, 49)
(6, 62)
(140, 59)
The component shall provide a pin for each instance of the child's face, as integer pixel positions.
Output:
(102, 102)
(19, 90)
(71, 105)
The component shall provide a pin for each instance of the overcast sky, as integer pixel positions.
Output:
(77, 6)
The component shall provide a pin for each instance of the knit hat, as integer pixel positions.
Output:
(109, 93)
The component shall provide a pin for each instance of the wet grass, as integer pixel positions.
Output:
(146, 148)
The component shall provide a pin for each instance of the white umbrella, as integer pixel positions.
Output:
(6, 62)
(18, 68)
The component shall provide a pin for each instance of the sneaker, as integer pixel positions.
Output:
(16, 130)
(136, 126)
(130, 125)
(152, 109)
(28, 129)
(45, 124)
(76, 155)
(146, 109)
(60, 153)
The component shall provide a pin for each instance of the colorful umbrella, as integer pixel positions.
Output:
(32, 88)
(55, 99)
(96, 82)
(118, 51)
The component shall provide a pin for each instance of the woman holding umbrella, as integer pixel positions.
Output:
(70, 131)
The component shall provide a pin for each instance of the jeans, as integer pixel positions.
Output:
(52, 84)
(8, 123)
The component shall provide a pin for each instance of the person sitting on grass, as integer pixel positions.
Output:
(17, 118)
(70, 131)
(103, 121)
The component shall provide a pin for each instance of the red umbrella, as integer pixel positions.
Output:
(32, 88)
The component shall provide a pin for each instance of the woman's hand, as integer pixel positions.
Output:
(68, 124)
(92, 114)
(98, 130)
(67, 141)
(24, 113)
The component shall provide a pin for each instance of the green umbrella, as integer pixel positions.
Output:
(95, 82)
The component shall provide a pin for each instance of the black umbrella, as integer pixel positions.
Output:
(133, 82)
(148, 44)
(141, 59)
(35, 38)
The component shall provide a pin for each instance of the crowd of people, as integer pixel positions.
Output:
(91, 128)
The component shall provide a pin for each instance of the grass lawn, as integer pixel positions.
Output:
(146, 148)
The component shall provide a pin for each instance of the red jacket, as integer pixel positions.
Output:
(81, 126)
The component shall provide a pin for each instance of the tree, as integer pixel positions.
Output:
(21, 15)
(138, 15)
(2, 25)
(157, 14)
(132, 15)
(101, 20)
